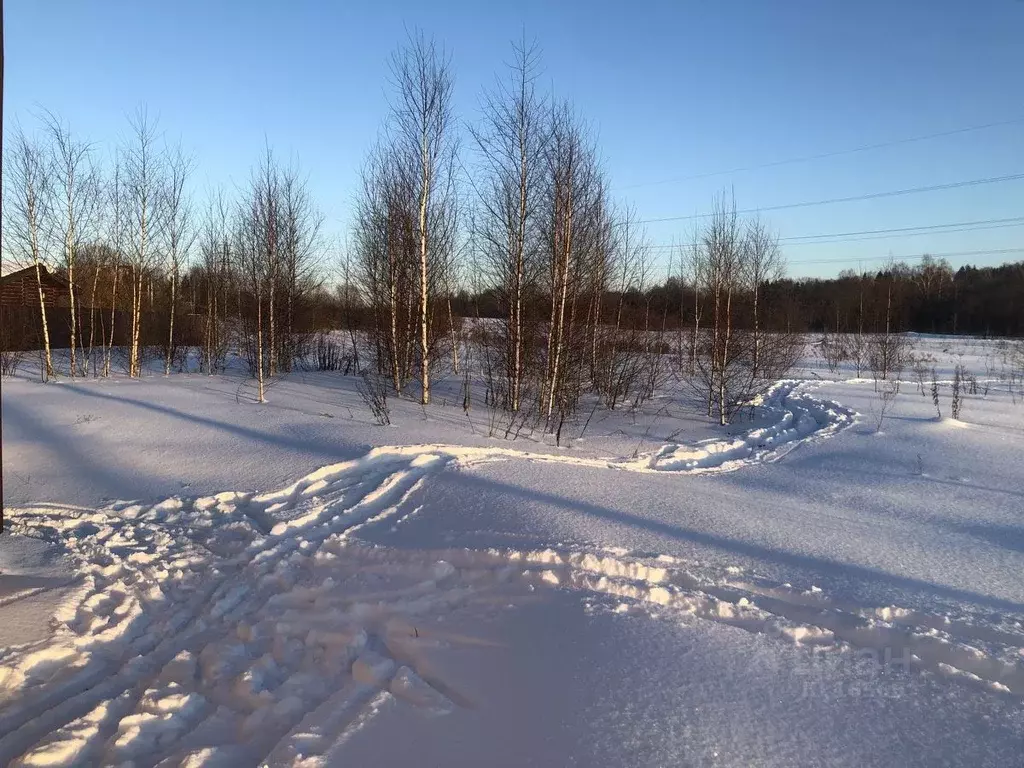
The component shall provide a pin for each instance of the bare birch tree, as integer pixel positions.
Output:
(252, 231)
(301, 223)
(423, 131)
(888, 349)
(694, 270)
(736, 359)
(763, 264)
(26, 218)
(720, 262)
(510, 143)
(266, 208)
(179, 234)
(386, 256)
(143, 183)
(571, 177)
(76, 205)
(115, 237)
(215, 253)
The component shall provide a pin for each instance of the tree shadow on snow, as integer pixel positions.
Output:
(332, 450)
(861, 578)
(124, 482)
(1006, 536)
(917, 500)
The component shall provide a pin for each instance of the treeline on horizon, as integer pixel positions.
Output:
(507, 217)
(930, 297)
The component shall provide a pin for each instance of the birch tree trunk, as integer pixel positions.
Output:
(113, 319)
(455, 341)
(72, 360)
(47, 355)
(259, 346)
(723, 415)
(135, 362)
(396, 370)
(170, 323)
(143, 171)
(92, 319)
(560, 311)
(27, 195)
(424, 201)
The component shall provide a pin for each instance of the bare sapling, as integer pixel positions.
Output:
(920, 371)
(887, 392)
(373, 391)
(832, 351)
(957, 400)
(10, 358)
(935, 395)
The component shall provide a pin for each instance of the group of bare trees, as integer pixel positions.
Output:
(406, 230)
(733, 356)
(521, 215)
(63, 213)
(510, 144)
(276, 243)
(147, 276)
(27, 205)
(543, 236)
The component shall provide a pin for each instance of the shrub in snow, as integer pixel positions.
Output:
(374, 393)
(957, 386)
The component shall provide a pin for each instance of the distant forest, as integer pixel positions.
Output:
(929, 297)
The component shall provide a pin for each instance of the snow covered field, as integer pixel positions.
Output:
(291, 584)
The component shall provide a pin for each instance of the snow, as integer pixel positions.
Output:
(807, 587)
(34, 580)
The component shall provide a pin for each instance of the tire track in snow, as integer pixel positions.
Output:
(988, 657)
(226, 599)
(220, 563)
(891, 634)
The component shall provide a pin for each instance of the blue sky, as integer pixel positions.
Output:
(673, 89)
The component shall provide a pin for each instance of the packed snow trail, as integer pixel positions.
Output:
(248, 629)
(796, 418)
(200, 637)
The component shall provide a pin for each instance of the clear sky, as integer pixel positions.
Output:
(676, 91)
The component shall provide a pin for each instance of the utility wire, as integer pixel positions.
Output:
(881, 234)
(904, 234)
(824, 155)
(948, 254)
(966, 224)
(835, 200)
(888, 257)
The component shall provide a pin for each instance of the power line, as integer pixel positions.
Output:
(967, 224)
(904, 234)
(888, 257)
(882, 234)
(835, 200)
(946, 255)
(824, 155)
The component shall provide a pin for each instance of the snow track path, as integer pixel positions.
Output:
(244, 629)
